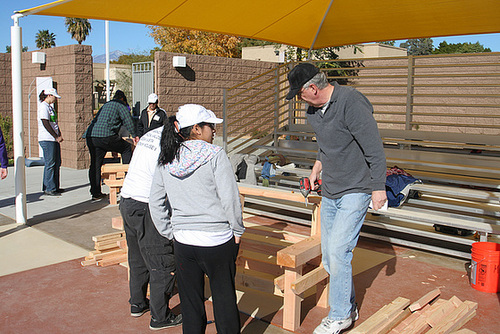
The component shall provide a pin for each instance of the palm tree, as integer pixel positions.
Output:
(78, 28)
(45, 39)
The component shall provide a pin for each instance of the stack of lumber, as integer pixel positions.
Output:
(110, 249)
(400, 316)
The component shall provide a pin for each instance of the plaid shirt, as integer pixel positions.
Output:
(109, 119)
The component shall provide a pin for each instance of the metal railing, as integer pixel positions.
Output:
(457, 93)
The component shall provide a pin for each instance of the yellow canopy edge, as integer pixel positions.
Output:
(296, 22)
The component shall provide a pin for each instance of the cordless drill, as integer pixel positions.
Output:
(305, 187)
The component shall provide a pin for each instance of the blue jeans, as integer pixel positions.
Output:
(341, 221)
(52, 157)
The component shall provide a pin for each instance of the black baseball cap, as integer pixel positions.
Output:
(298, 76)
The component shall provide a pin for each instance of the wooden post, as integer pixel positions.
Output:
(291, 301)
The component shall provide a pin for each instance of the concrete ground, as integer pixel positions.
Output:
(45, 289)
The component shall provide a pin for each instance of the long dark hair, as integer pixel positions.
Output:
(171, 140)
(42, 96)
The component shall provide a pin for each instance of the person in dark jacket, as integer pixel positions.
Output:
(102, 136)
(152, 117)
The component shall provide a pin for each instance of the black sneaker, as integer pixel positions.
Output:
(99, 196)
(137, 311)
(172, 321)
(52, 193)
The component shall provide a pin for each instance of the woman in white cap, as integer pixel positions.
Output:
(202, 214)
(49, 138)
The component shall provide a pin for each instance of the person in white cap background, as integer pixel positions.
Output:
(194, 200)
(151, 117)
(50, 139)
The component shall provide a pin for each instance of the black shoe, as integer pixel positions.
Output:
(172, 321)
(52, 193)
(99, 196)
(60, 190)
(137, 311)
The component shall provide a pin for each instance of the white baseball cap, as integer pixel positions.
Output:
(152, 98)
(51, 91)
(191, 114)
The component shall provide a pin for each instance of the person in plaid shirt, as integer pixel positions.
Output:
(102, 136)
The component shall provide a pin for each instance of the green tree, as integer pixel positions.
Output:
(468, 47)
(7, 49)
(45, 39)
(196, 42)
(391, 43)
(78, 28)
(136, 57)
(6, 125)
(417, 47)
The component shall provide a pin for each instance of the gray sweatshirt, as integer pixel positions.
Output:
(350, 149)
(201, 190)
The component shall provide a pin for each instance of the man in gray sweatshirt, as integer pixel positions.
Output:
(351, 162)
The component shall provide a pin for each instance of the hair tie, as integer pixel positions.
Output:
(178, 130)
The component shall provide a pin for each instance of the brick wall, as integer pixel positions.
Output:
(6, 84)
(71, 70)
(202, 81)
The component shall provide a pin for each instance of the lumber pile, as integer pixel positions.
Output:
(402, 317)
(110, 249)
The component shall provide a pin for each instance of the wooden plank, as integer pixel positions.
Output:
(279, 285)
(114, 168)
(266, 239)
(254, 280)
(258, 262)
(456, 319)
(112, 260)
(464, 331)
(299, 253)
(88, 263)
(440, 219)
(414, 324)
(424, 300)
(270, 192)
(109, 254)
(108, 236)
(441, 312)
(309, 280)
(382, 316)
(391, 322)
(117, 223)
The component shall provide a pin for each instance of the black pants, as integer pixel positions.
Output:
(98, 147)
(150, 257)
(218, 263)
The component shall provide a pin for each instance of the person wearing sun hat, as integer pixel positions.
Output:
(351, 163)
(50, 139)
(194, 200)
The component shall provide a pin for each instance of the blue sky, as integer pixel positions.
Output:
(130, 37)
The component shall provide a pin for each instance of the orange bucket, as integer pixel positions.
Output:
(485, 266)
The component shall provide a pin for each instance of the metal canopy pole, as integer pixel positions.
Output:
(319, 29)
(17, 119)
(108, 92)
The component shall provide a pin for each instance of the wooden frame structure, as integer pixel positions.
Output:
(301, 261)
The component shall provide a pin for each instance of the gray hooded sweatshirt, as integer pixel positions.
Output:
(201, 190)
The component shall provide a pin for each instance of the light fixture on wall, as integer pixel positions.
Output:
(179, 61)
(38, 57)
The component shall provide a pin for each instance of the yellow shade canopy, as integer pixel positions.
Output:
(303, 23)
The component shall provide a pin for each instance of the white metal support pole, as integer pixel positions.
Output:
(108, 92)
(17, 119)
